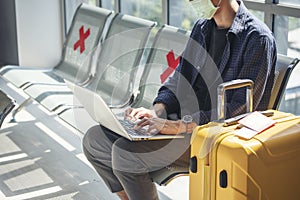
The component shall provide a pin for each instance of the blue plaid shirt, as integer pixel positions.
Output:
(250, 53)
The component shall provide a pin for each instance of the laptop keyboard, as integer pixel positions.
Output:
(128, 125)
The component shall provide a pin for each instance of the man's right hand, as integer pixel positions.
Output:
(134, 114)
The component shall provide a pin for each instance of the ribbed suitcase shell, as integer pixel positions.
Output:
(230, 168)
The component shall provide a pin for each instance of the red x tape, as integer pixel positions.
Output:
(82, 37)
(172, 64)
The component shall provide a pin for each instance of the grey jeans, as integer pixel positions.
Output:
(127, 165)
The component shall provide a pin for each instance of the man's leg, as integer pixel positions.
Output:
(125, 164)
(132, 162)
(97, 147)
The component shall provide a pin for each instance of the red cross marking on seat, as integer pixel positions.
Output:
(82, 37)
(172, 64)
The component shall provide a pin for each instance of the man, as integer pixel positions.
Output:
(239, 46)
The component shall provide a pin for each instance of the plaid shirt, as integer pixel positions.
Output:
(250, 53)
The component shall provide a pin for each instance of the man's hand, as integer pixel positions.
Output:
(134, 114)
(163, 126)
(155, 120)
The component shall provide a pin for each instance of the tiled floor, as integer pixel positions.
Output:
(41, 158)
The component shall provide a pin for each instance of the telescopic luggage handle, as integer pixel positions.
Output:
(235, 84)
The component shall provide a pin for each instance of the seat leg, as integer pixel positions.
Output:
(20, 107)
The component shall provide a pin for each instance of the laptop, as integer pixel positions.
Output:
(101, 113)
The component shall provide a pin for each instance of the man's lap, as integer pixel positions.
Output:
(138, 156)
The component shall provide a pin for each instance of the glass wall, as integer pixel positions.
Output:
(287, 33)
(293, 2)
(108, 4)
(260, 15)
(93, 2)
(151, 10)
(70, 8)
(181, 14)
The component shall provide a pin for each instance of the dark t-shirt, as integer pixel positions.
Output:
(217, 44)
(216, 48)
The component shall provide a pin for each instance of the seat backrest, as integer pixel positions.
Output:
(82, 39)
(169, 43)
(283, 69)
(119, 58)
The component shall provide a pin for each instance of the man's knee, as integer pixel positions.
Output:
(125, 159)
(88, 139)
(96, 142)
(91, 135)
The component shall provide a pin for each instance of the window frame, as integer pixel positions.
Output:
(272, 8)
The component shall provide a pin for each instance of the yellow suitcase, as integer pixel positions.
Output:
(227, 167)
(224, 166)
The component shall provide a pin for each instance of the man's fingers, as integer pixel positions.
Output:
(142, 123)
(155, 125)
(127, 113)
(143, 114)
(153, 129)
(138, 113)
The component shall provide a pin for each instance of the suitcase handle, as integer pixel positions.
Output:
(234, 84)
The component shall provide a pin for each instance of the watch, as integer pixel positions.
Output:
(187, 119)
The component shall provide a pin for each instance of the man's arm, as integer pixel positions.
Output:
(259, 66)
(166, 94)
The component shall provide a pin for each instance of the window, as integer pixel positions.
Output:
(92, 2)
(181, 15)
(258, 14)
(70, 8)
(147, 9)
(294, 2)
(287, 31)
(108, 4)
